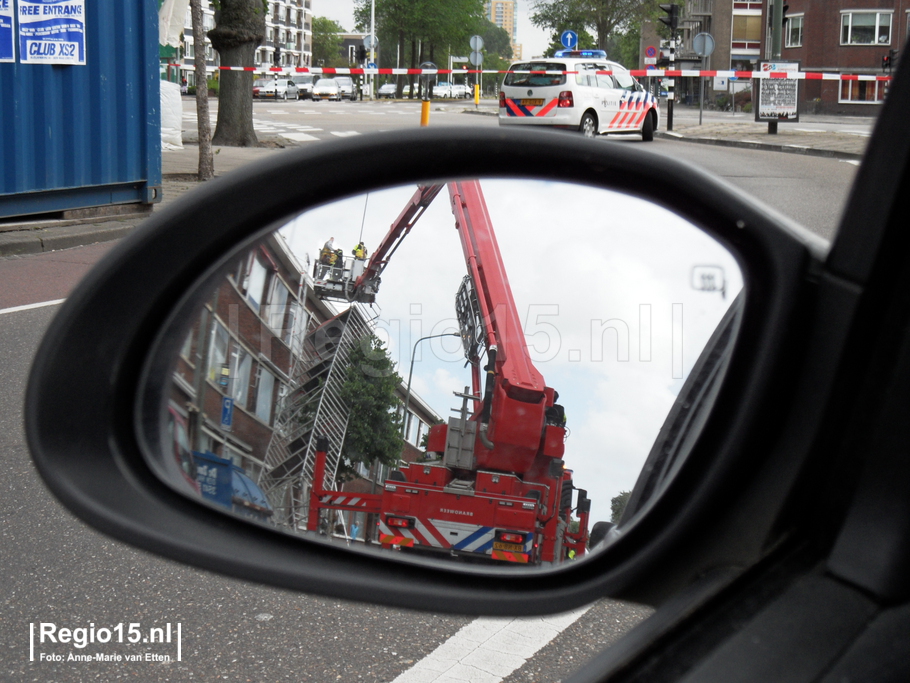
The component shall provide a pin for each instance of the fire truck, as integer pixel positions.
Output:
(496, 487)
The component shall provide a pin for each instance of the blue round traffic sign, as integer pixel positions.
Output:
(569, 39)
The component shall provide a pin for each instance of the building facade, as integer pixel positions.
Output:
(845, 36)
(288, 38)
(827, 36)
(502, 13)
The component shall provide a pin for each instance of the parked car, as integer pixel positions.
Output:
(348, 87)
(460, 90)
(327, 89)
(442, 89)
(769, 527)
(304, 84)
(275, 89)
(386, 90)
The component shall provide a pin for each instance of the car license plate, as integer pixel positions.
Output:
(512, 547)
(531, 103)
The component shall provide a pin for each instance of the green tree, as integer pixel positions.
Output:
(415, 31)
(369, 391)
(239, 31)
(618, 505)
(327, 43)
(603, 17)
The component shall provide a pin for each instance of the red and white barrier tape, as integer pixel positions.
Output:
(638, 73)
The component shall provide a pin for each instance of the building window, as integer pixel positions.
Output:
(276, 309)
(865, 28)
(747, 28)
(862, 92)
(793, 35)
(217, 351)
(241, 366)
(265, 391)
(253, 282)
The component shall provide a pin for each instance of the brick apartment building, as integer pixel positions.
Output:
(250, 343)
(828, 36)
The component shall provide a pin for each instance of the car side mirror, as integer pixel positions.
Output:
(101, 441)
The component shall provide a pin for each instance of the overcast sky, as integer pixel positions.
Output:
(604, 284)
(533, 40)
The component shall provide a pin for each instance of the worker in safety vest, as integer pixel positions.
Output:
(360, 251)
(337, 264)
(327, 257)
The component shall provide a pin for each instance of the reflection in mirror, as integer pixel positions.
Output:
(474, 371)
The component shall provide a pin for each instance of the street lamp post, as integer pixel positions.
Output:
(407, 396)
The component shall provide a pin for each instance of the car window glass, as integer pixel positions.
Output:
(624, 80)
(605, 81)
(514, 77)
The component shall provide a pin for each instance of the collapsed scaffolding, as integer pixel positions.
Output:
(311, 407)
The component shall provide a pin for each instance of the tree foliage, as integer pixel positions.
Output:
(327, 43)
(603, 17)
(369, 391)
(618, 505)
(412, 32)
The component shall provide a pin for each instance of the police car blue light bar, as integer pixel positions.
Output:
(596, 54)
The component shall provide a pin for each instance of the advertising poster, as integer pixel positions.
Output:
(51, 31)
(7, 42)
(778, 98)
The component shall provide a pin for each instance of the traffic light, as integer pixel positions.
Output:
(361, 54)
(672, 18)
(276, 56)
(886, 62)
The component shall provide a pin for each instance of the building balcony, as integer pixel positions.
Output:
(700, 7)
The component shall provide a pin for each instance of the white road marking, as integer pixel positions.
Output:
(488, 649)
(345, 133)
(855, 162)
(28, 307)
(299, 137)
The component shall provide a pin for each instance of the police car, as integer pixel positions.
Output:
(566, 91)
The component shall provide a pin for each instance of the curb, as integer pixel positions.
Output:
(40, 240)
(767, 147)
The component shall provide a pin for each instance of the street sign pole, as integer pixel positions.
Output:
(777, 29)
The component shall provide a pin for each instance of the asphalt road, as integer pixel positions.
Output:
(56, 570)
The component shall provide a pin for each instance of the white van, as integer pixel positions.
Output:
(566, 91)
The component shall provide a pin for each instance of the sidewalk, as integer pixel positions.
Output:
(792, 138)
(179, 168)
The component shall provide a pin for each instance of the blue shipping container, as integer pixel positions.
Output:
(77, 136)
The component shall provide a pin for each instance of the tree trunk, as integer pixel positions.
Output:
(234, 127)
(239, 30)
(206, 160)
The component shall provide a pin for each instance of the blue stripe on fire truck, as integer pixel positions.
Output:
(483, 536)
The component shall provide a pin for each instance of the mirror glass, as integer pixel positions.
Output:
(474, 371)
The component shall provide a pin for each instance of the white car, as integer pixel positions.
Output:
(327, 89)
(571, 91)
(386, 90)
(276, 89)
(347, 86)
(304, 84)
(442, 89)
(460, 90)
